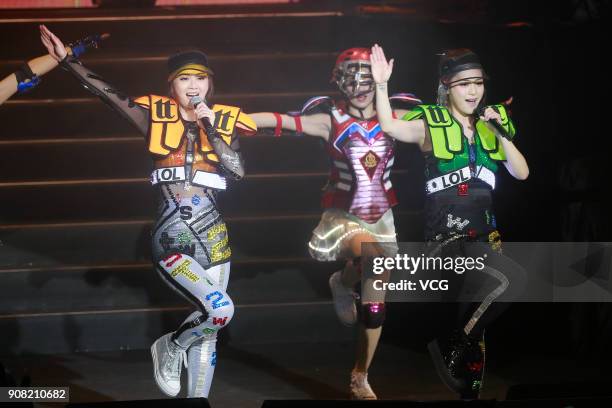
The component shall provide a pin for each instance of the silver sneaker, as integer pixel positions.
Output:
(360, 387)
(168, 359)
(344, 300)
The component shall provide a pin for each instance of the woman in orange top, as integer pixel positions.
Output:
(194, 148)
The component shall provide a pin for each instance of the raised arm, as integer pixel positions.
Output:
(318, 124)
(136, 115)
(28, 75)
(405, 131)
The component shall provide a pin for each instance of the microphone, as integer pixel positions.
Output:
(195, 101)
(495, 124)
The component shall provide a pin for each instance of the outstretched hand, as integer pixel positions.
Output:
(381, 68)
(54, 45)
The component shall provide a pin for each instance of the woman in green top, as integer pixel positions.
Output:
(462, 151)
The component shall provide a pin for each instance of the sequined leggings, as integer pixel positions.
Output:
(496, 286)
(190, 248)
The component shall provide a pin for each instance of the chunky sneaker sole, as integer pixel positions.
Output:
(156, 349)
(344, 300)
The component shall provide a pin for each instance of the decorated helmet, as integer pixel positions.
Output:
(353, 72)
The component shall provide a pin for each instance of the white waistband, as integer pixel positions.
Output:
(167, 175)
(486, 175)
(212, 180)
(200, 178)
(458, 177)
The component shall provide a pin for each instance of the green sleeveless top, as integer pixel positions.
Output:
(450, 148)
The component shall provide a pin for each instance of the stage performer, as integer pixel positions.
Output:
(358, 197)
(463, 150)
(195, 149)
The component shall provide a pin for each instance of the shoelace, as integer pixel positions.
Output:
(175, 354)
(183, 353)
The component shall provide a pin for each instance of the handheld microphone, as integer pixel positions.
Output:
(195, 101)
(495, 124)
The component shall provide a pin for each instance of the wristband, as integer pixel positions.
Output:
(298, 125)
(279, 124)
(26, 79)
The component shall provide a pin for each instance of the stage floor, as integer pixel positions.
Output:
(249, 374)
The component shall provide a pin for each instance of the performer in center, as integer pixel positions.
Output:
(358, 197)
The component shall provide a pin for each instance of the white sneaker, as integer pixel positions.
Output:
(360, 387)
(344, 300)
(168, 359)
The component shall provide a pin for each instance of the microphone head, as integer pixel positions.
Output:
(480, 110)
(196, 100)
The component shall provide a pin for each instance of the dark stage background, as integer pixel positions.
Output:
(77, 207)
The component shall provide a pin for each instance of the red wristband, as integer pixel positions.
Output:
(298, 124)
(279, 124)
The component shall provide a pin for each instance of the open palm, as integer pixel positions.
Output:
(381, 68)
(54, 45)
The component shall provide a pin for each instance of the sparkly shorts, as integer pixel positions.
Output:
(330, 239)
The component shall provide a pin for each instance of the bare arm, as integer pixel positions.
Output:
(515, 161)
(8, 87)
(39, 66)
(405, 131)
(318, 124)
(43, 64)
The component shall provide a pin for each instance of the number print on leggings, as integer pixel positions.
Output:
(217, 302)
(213, 360)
